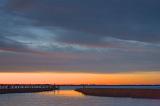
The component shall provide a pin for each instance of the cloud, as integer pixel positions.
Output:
(109, 61)
(74, 36)
(8, 24)
(11, 45)
(129, 20)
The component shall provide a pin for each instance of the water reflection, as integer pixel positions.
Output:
(70, 93)
(70, 98)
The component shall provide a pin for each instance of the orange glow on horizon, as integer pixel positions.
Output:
(80, 78)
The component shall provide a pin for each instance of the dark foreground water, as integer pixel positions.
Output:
(70, 98)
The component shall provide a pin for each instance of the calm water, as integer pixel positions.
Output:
(70, 98)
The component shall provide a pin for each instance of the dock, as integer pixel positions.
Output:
(26, 88)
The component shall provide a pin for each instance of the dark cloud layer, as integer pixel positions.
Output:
(80, 35)
(11, 45)
(124, 19)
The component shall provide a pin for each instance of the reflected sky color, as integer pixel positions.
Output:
(70, 93)
(70, 99)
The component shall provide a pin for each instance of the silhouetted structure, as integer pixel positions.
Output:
(121, 92)
(26, 88)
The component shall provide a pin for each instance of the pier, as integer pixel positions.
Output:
(26, 88)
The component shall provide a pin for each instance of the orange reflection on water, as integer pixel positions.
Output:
(68, 93)
(63, 93)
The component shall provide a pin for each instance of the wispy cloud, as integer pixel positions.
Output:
(129, 20)
(108, 36)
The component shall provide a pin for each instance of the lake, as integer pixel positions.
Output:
(70, 98)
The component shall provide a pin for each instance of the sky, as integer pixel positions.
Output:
(80, 37)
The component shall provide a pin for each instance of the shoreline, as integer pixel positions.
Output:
(121, 92)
